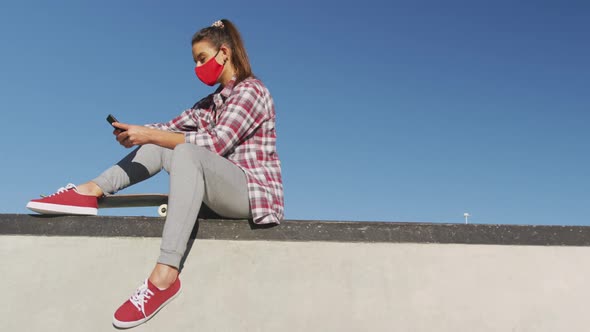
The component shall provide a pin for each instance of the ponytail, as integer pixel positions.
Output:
(225, 32)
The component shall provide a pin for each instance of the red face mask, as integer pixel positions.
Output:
(210, 71)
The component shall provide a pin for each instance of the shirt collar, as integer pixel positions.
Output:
(227, 89)
(223, 92)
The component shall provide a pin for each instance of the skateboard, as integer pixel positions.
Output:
(141, 200)
(135, 200)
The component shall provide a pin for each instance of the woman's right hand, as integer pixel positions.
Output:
(117, 132)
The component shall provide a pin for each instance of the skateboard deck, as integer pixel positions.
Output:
(132, 200)
(142, 200)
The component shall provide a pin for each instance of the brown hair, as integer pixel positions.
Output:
(229, 35)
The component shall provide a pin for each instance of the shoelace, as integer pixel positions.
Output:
(141, 296)
(62, 189)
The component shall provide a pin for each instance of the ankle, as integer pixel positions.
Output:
(163, 276)
(89, 189)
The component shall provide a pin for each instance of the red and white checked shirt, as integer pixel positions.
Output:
(238, 123)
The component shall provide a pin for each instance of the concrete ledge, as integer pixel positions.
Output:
(71, 273)
(301, 230)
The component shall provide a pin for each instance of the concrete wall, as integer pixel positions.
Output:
(74, 283)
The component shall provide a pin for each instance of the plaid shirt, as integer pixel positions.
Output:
(238, 123)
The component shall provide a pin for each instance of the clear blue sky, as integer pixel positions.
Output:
(387, 110)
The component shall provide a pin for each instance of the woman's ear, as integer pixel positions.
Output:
(226, 53)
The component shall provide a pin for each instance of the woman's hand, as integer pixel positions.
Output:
(131, 135)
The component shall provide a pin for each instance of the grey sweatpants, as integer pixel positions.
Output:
(196, 175)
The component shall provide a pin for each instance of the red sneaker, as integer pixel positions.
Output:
(66, 200)
(144, 304)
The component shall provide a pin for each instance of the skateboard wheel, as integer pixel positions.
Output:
(162, 210)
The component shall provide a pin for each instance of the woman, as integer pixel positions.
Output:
(222, 152)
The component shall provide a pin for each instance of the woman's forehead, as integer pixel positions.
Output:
(203, 46)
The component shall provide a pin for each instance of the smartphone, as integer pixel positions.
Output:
(111, 119)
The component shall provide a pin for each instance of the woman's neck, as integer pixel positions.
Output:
(227, 74)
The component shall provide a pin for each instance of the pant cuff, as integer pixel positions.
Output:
(170, 258)
(104, 185)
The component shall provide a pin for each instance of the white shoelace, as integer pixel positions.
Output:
(141, 296)
(62, 189)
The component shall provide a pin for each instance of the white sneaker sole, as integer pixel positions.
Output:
(126, 325)
(48, 208)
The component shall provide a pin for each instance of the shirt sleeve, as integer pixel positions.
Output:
(186, 121)
(242, 113)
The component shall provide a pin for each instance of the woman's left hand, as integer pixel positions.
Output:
(132, 135)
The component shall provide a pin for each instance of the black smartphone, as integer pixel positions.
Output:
(111, 119)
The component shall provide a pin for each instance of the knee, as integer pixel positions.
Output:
(188, 152)
(185, 149)
(149, 148)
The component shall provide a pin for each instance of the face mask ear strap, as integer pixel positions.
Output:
(215, 56)
(224, 61)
